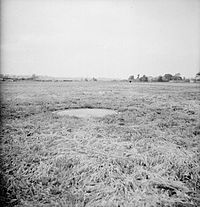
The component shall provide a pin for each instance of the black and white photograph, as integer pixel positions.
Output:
(100, 103)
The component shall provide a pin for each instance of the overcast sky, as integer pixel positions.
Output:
(100, 38)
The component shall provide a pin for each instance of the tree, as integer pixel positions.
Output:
(131, 78)
(177, 76)
(167, 77)
(144, 78)
(94, 79)
(160, 78)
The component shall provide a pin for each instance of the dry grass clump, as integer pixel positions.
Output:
(147, 155)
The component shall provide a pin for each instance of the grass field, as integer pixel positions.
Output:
(146, 155)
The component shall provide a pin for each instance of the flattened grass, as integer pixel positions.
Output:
(147, 155)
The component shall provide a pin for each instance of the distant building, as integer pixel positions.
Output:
(155, 79)
(197, 77)
(192, 80)
(150, 78)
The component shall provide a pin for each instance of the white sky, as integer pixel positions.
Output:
(100, 38)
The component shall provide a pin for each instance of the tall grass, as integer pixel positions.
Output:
(147, 155)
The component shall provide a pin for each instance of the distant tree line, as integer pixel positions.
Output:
(165, 78)
(17, 78)
(34, 77)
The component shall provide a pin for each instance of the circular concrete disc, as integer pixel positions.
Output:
(86, 112)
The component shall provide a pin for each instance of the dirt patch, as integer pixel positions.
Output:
(86, 112)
